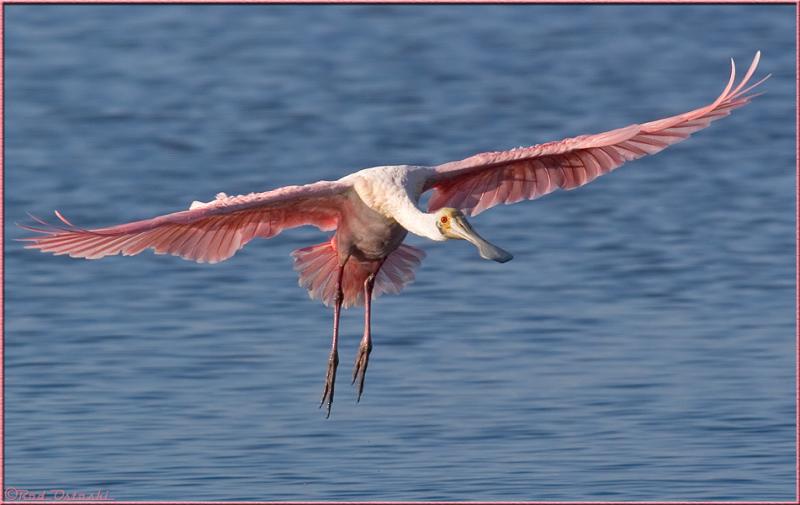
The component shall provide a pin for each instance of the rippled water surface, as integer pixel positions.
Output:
(639, 346)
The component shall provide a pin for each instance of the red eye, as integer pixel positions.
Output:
(443, 219)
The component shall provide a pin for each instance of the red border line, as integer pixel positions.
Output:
(797, 252)
(408, 2)
(2, 253)
(3, 3)
(623, 502)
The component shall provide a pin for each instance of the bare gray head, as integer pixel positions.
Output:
(452, 224)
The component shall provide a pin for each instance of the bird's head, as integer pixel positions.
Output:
(452, 224)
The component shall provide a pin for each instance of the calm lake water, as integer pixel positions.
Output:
(641, 345)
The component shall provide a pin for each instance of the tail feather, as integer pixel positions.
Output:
(317, 267)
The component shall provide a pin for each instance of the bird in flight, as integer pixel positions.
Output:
(373, 210)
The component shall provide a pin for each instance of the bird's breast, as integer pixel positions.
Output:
(367, 234)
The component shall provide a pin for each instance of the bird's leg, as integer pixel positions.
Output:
(362, 358)
(333, 359)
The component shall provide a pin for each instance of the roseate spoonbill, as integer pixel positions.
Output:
(373, 210)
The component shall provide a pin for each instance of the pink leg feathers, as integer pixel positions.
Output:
(317, 266)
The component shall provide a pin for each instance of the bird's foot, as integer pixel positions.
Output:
(360, 368)
(330, 380)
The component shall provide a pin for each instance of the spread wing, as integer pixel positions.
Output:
(207, 232)
(488, 179)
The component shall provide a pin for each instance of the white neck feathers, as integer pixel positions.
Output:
(394, 192)
(417, 222)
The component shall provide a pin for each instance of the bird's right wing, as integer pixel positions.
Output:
(207, 232)
(482, 181)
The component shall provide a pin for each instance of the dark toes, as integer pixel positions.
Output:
(330, 382)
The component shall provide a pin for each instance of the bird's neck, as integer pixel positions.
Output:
(417, 222)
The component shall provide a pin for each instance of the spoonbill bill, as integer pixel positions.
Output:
(373, 210)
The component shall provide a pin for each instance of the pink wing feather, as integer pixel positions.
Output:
(488, 179)
(209, 232)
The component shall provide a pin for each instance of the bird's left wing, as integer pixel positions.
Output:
(207, 232)
(488, 179)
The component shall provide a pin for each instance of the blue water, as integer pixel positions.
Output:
(641, 345)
